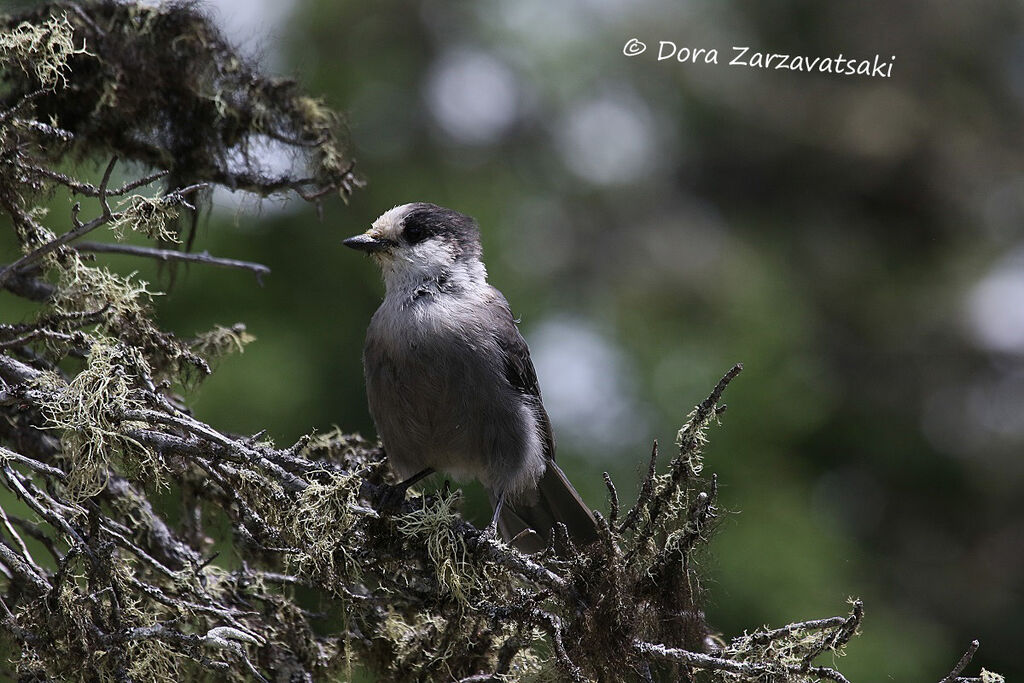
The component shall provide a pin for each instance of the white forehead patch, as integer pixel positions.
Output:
(389, 224)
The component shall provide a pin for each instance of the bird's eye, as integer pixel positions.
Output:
(414, 232)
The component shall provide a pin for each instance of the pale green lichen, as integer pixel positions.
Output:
(694, 432)
(87, 412)
(150, 659)
(321, 522)
(326, 440)
(530, 665)
(156, 661)
(150, 216)
(788, 650)
(411, 638)
(221, 340)
(433, 526)
(43, 49)
(86, 288)
(346, 450)
(66, 617)
(321, 122)
(31, 232)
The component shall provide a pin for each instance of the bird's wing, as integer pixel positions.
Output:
(519, 370)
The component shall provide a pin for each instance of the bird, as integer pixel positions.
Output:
(450, 383)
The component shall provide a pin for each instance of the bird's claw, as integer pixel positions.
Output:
(490, 532)
(389, 498)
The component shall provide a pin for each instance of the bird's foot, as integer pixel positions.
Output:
(389, 498)
(490, 532)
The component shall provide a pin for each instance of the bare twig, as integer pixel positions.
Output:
(33, 581)
(88, 189)
(9, 455)
(965, 659)
(22, 548)
(165, 255)
(646, 489)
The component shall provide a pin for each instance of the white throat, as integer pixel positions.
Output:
(405, 275)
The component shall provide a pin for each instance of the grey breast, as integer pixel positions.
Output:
(437, 391)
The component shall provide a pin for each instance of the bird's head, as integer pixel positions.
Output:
(418, 242)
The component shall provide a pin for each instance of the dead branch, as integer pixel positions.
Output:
(166, 255)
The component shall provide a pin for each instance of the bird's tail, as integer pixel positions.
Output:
(529, 525)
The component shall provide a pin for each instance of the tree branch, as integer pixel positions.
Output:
(166, 255)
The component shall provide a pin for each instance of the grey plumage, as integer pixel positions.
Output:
(449, 378)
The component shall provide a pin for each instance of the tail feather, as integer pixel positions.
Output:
(529, 525)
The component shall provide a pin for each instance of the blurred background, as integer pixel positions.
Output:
(858, 243)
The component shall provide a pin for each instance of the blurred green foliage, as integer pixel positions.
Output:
(834, 234)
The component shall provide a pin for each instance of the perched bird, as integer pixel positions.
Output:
(449, 379)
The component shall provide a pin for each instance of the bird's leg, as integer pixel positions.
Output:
(491, 532)
(392, 497)
(415, 478)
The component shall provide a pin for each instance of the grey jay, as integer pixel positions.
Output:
(449, 379)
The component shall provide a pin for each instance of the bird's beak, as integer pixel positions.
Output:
(367, 243)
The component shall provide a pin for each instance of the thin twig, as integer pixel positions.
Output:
(165, 255)
(613, 497)
(50, 515)
(88, 189)
(21, 543)
(754, 670)
(106, 217)
(7, 454)
(764, 637)
(962, 664)
(646, 489)
(706, 407)
(839, 637)
(22, 101)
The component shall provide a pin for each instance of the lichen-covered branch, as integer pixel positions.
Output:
(161, 86)
(114, 498)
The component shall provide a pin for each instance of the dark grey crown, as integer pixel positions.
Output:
(425, 220)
